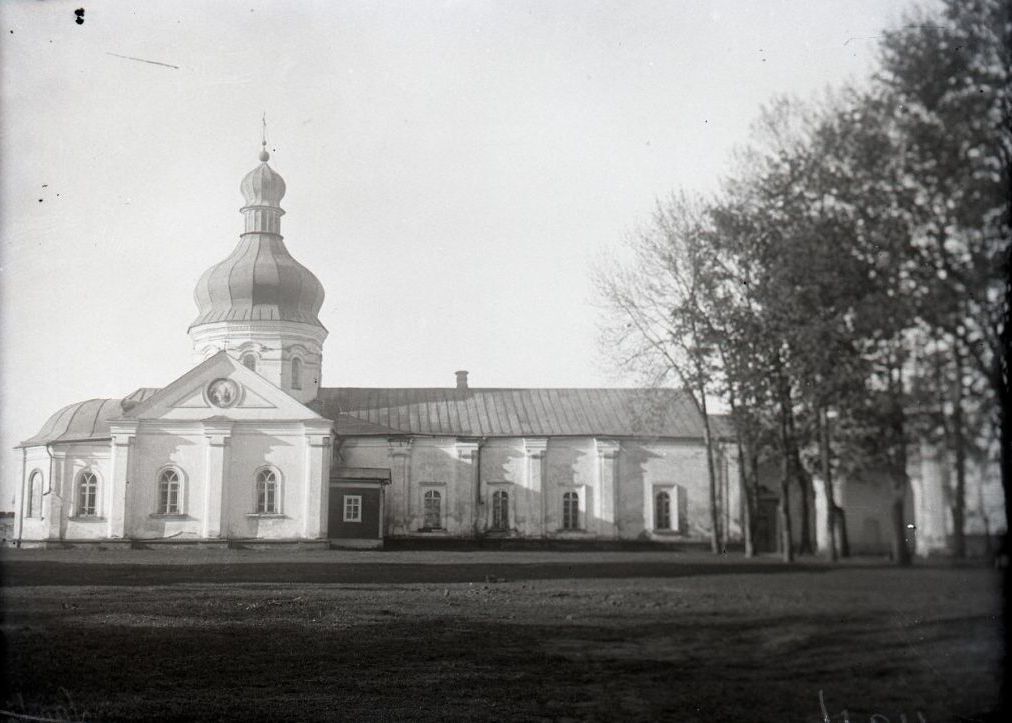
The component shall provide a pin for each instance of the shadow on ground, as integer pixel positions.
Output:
(43, 572)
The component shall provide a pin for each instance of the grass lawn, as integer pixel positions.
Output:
(254, 635)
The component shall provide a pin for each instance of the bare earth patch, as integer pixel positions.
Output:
(493, 635)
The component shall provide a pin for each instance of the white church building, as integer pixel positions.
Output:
(249, 446)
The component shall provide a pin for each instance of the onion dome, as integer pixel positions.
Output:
(263, 186)
(259, 281)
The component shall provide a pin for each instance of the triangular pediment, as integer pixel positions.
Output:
(221, 388)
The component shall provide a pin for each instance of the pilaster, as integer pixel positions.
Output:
(317, 485)
(216, 435)
(469, 479)
(123, 435)
(535, 451)
(398, 513)
(607, 486)
(61, 497)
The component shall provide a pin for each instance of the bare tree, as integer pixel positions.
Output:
(656, 316)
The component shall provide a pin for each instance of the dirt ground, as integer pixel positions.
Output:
(483, 635)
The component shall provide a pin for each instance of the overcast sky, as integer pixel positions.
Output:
(454, 170)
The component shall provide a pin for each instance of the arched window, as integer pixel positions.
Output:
(87, 494)
(168, 492)
(267, 492)
(296, 373)
(571, 511)
(433, 508)
(501, 510)
(249, 361)
(33, 505)
(662, 511)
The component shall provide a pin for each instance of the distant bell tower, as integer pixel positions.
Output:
(260, 304)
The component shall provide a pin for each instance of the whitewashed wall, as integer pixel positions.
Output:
(616, 481)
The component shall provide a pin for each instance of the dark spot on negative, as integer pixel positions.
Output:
(80, 16)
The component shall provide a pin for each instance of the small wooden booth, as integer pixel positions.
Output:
(355, 512)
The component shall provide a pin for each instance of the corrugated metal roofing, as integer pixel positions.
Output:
(450, 412)
(85, 420)
(478, 412)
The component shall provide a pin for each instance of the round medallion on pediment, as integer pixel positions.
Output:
(223, 393)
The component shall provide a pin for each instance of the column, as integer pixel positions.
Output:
(216, 436)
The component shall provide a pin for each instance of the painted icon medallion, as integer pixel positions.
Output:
(223, 393)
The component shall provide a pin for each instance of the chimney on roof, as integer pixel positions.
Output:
(461, 379)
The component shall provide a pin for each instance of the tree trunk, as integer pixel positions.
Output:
(795, 469)
(804, 485)
(898, 459)
(786, 543)
(901, 551)
(746, 501)
(959, 442)
(999, 376)
(840, 519)
(753, 475)
(985, 520)
(787, 448)
(712, 474)
(1005, 412)
(786, 538)
(827, 485)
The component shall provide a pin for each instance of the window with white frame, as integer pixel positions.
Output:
(571, 511)
(87, 494)
(353, 508)
(33, 504)
(500, 510)
(296, 373)
(433, 510)
(169, 492)
(267, 492)
(662, 510)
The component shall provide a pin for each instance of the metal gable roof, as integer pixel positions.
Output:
(481, 412)
(451, 412)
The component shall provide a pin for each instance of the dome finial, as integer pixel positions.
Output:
(264, 155)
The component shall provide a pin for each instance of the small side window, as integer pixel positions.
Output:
(353, 508)
(571, 511)
(87, 494)
(33, 505)
(501, 511)
(662, 511)
(433, 509)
